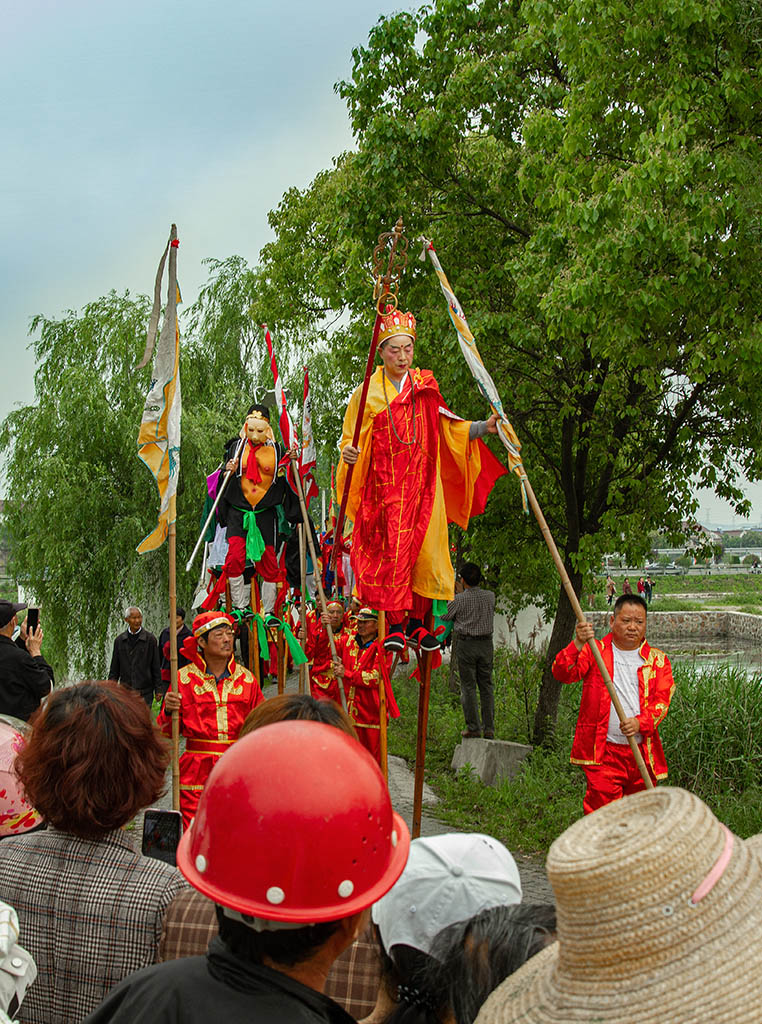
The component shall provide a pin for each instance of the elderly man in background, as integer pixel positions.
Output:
(135, 662)
(25, 676)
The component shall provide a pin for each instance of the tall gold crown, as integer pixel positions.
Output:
(394, 321)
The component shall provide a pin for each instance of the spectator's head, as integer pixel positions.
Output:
(659, 918)
(290, 707)
(134, 618)
(179, 618)
(16, 814)
(628, 623)
(294, 839)
(8, 616)
(471, 574)
(93, 759)
(471, 958)
(448, 878)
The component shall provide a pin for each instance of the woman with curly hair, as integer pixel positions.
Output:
(90, 905)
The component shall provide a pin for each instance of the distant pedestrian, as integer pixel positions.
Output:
(135, 662)
(626, 586)
(649, 589)
(472, 612)
(641, 587)
(610, 589)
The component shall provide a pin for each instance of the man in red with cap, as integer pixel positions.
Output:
(215, 694)
(363, 666)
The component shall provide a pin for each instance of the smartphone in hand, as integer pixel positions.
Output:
(161, 834)
(32, 620)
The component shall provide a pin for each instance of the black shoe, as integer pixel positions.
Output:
(423, 641)
(468, 735)
(489, 734)
(394, 642)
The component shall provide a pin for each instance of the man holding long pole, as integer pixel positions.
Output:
(643, 683)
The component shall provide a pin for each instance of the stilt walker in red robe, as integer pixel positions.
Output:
(215, 694)
(417, 467)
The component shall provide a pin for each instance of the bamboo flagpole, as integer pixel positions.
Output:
(425, 665)
(159, 449)
(512, 445)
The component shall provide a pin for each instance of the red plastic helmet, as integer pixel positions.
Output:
(295, 824)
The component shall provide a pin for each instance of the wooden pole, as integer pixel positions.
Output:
(172, 546)
(280, 646)
(254, 633)
(304, 670)
(313, 555)
(383, 737)
(580, 616)
(423, 724)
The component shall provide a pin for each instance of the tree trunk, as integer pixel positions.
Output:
(550, 689)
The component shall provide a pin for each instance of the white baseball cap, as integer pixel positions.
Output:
(446, 879)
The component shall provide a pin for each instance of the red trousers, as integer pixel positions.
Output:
(615, 777)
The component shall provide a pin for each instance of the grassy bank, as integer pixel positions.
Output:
(713, 748)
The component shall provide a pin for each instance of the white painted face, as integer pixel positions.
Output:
(397, 355)
(257, 428)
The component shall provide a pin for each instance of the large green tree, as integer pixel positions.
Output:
(587, 172)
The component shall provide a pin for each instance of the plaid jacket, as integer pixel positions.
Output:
(353, 981)
(90, 912)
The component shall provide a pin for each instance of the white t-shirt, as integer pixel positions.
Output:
(626, 665)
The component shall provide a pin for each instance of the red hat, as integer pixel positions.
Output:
(210, 620)
(295, 824)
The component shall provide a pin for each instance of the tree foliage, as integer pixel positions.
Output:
(587, 174)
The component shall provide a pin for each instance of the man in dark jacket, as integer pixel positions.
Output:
(25, 676)
(183, 632)
(135, 661)
(284, 917)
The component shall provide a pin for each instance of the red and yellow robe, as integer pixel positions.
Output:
(211, 717)
(416, 472)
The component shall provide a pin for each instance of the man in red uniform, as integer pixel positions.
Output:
(323, 682)
(363, 666)
(417, 467)
(642, 677)
(214, 696)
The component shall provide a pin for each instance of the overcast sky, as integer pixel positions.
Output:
(118, 119)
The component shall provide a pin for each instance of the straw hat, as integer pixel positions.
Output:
(659, 922)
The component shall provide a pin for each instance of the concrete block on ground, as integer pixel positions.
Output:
(491, 760)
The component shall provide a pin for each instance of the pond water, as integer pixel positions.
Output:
(713, 653)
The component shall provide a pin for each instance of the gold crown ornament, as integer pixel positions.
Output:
(394, 322)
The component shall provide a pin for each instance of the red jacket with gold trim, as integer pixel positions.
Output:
(656, 686)
(212, 710)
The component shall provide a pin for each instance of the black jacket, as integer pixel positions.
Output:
(135, 663)
(24, 680)
(215, 987)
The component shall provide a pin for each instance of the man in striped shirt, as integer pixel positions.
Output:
(472, 612)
